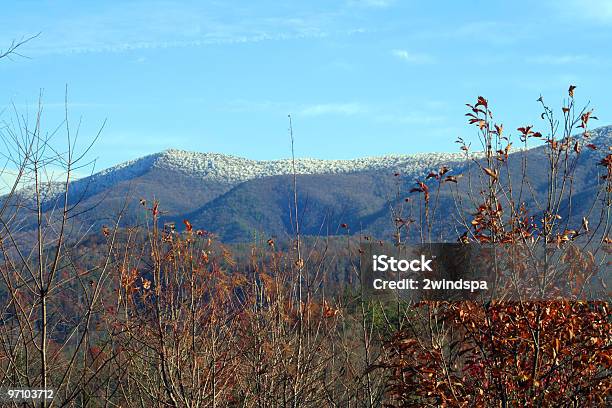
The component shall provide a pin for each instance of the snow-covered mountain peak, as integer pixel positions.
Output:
(232, 169)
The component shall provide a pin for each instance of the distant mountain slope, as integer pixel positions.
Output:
(324, 202)
(233, 170)
(237, 197)
(363, 199)
(184, 181)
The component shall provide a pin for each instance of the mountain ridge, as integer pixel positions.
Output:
(236, 196)
(231, 170)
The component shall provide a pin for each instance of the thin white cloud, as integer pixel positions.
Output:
(495, 32)
(141, 25)
(345, 109)
(593, 10)
(246, 105)
(379, 113)
(8, 177)
(371, 3)
(411, 118)
(7, 180)
(562, 59)
(113, 46)
(413, 58)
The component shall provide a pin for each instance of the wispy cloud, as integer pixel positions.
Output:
(413, 58)
(562, 59)
(378, 113)
(371, 3)
(411, 118)
(345, 109)
(142, 25)
(594, 10)
(493, 32)
(8, 177)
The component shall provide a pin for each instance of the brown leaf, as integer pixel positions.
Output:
(499, 129)
(606, 161)
(491, 173)
(482, 102)
(526, 130)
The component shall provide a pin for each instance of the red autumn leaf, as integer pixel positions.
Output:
(525, 130)
(584, 119)
(482, 102)
(606, 161)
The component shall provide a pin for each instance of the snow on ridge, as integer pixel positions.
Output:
(602, 133)
(232, 169)
(116, 174)
(51, 190)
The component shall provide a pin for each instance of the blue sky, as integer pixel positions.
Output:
(360, 78)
